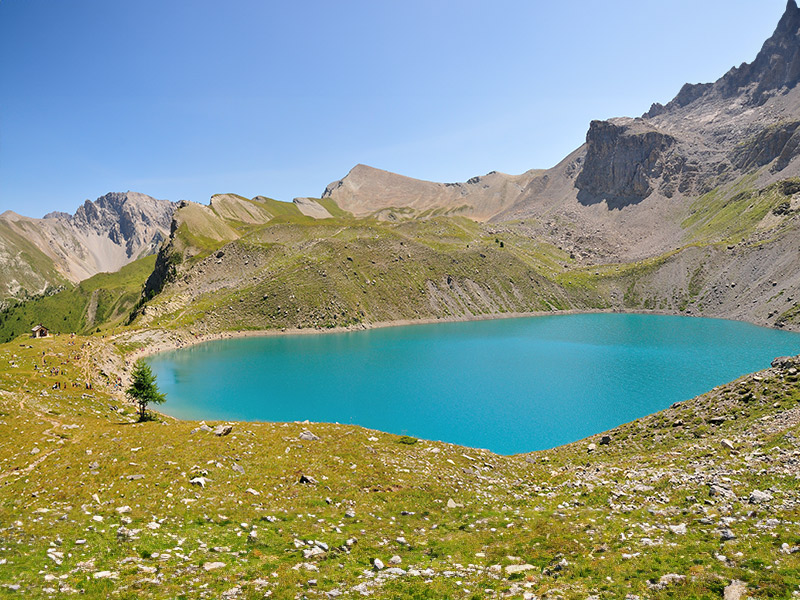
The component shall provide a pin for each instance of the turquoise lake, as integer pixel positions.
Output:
(509, 385)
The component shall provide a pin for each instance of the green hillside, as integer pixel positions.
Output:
(96, 303)
(676, 505)
(24, 267)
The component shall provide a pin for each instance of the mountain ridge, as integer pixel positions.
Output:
(61, 248)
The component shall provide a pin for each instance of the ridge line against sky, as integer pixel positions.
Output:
(182, 100)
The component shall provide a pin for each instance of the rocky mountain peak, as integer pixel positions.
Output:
(102, 236)
(776, 68)
(778, 63)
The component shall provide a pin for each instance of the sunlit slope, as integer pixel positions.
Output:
(96, 303)
(296, 271)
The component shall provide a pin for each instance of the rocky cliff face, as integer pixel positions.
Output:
(102, 236)
(623, 159)
(708, 135)
(632, 184)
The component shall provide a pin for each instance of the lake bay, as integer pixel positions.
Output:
(509, 385)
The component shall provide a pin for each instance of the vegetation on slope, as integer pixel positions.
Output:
(23, 267)
(295, 271)
(679, 504)
(96, 303)
(732, 214)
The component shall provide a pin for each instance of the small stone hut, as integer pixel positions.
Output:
(40, 331)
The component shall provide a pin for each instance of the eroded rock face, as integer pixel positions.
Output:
(102, 236)
(780, 141)
(624, 160)
(776, 66)
(136, 222)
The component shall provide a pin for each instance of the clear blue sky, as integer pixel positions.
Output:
(185, 99)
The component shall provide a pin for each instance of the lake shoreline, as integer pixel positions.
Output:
(508, 385)
(168, 340)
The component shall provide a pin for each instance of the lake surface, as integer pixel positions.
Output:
(509, 385)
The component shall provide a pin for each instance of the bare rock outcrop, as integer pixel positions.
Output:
(102, 236)
(624, 159)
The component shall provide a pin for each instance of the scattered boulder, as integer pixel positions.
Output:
(514, 569)
(308, 436)
(591, 447)
(105, 575)
(378, 564)
(726, 535)
(678, 529)
(200, 481)
(605, 440)
(222, 430)
(395, 560)
(735, 591)
(307, 479)
(784, 362)
(312, 552)
(721, 492)
(666, 581)
(211, 566)
(727, 444)
(759, 497)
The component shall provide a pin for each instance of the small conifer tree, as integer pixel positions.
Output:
(143, 389)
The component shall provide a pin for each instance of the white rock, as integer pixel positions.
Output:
(210, 566)
(735, 591)
(513, 569)
(678, 529)
(312, 552)
(757, 497)
(123, 510)
(105, 575)
(378, 564)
